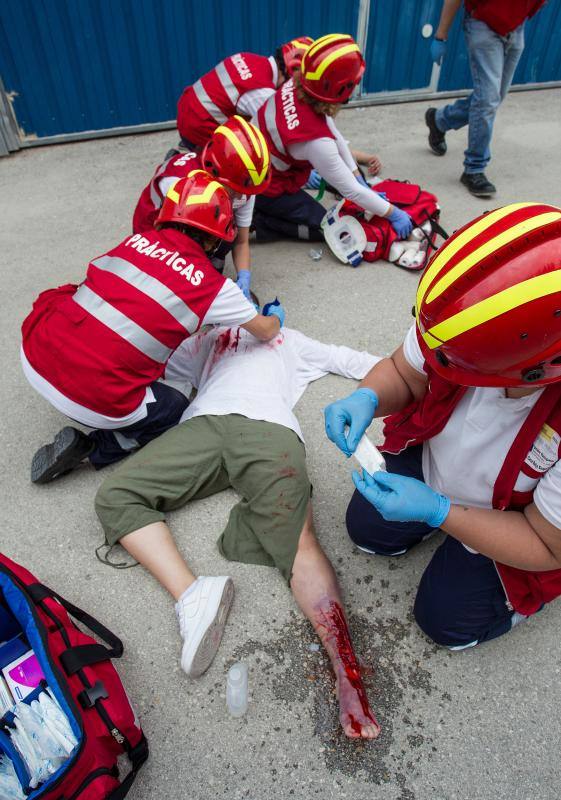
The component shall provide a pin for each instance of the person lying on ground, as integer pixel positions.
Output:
(96, 351)
(368, 160)
(240, 432)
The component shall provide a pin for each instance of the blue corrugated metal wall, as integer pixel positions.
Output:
(77, 65)
(397, 55)
(90, 64)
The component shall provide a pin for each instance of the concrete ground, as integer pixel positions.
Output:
(478, 724)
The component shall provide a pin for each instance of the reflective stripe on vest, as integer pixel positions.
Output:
(271, 123)
(272, 131)
(210, 107)
(152, 288)
(226, 82)
(121, 325)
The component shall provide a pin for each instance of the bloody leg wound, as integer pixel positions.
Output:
(334, 632)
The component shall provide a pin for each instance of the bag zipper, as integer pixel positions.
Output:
(508, 604)
(58, 675)
(119, 737)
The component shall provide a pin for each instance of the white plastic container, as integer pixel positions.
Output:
(237, 689)
(368, 456)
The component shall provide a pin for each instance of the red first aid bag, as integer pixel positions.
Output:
(422, 207)
(81, 677)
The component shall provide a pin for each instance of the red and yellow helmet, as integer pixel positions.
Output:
(237, 155)
(331, 68)
(201, 202)
(489, 301)
(292, 53)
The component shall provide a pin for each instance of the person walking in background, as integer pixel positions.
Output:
(494, 32)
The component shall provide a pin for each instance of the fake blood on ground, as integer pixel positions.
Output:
(337, 630)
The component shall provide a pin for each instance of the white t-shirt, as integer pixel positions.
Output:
(235, 373)
(229, 307)
(334, 162)
(463, 461)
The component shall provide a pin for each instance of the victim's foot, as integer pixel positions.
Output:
(357, 719)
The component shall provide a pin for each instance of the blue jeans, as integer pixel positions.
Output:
(460, 601)
(492, 61)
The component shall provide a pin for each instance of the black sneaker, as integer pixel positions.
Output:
(437, 139)
(478, 184)
(69, 449)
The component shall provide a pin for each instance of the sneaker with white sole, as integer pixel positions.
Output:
(202, 613)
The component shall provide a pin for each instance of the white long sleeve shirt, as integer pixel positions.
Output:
(235, 373)
(334, 162)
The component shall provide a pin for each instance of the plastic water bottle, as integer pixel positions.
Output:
(236, 689)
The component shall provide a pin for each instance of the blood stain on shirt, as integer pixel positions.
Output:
(227, 340)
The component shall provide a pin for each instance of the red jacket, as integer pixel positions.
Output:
(151, 199)
(285, 120)
(503, 16)
(102, 343)
(214, 97)
(526, 591)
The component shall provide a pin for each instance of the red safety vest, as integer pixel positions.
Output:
(285, 120)
(102, 343)
(503, 16)
(151, 199)
(214, 98)
(526, 591)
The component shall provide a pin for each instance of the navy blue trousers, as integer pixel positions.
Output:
(165, 412)
(288, 216)
(460, 600)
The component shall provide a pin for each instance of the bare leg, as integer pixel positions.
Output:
(316, 590)
(153, 547)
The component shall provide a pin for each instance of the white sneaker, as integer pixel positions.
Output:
(202, 615)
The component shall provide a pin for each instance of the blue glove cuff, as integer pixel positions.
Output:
(369, 392)
(440, 513)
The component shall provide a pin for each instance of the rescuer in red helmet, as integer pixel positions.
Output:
(297, 123)
(238, 85)
(96, 351)
(472, 401)
(237, 156)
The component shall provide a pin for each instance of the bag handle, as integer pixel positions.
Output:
(75, 658)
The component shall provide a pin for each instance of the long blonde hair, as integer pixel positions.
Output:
(319, 106)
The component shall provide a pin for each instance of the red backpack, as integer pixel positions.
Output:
(422, 207)
(80, 675)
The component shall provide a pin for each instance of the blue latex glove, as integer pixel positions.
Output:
(383, 195)
(437, 50)
(402, 499)
(401, 222)
(244, 282)
(314, 180)
(357, 411)
(274, 309)
(362, 181)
